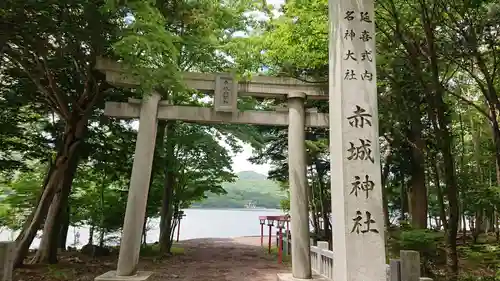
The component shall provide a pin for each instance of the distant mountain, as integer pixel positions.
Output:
(250, 188)
(251, 175)
(254, 182)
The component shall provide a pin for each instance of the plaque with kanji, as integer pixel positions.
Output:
(226, 93)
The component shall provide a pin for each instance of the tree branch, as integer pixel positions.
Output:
(471, 103)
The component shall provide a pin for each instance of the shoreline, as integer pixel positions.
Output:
(199, 223)
(253, 240)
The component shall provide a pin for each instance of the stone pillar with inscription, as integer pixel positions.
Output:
(357, 214)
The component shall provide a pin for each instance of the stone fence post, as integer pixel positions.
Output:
(410, 265)
(407, 268)
(6, 260)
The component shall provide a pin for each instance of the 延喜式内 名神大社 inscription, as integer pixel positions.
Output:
(363, 16)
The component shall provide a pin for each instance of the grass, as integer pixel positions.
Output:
(57, 273)
(287, 259)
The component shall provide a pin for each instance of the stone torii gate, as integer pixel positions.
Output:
(356, 189)
(226, 91)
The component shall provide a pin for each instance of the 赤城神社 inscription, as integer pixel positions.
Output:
(361, 151)
(363, 223)
(354, 143)
(360, 117)
(365, 186)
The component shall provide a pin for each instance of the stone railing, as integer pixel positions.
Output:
(407, 268)
(322, 260)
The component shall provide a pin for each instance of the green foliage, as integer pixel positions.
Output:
(20, 194)
(146, 46)
(202, 164)
(486, 255)
(473, 277)
(421, 240)
(57, 273)
(287, 259)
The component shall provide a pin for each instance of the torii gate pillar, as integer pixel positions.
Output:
(137, 196)
(299, 203)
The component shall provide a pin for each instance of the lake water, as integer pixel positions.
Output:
(198, 223)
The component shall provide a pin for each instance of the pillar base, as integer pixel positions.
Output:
(289, 277)
(111, 276)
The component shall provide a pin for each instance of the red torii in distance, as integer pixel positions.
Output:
(280, 224)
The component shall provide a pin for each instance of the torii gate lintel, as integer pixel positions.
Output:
(198, 114)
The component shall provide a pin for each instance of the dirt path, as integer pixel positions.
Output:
(240, 259)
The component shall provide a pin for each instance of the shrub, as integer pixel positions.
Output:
(421, 240)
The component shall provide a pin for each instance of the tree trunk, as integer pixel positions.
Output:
(27, 223)
(445, 142)
(144, 232)
(315, 223)
(103, 216)
(71, 142)
(63, 234)
(403, 200)
(418, 203)
(439, 223)
(312, 204)
(464, 229)
(452, 194)
(497, 226)
(323, 198)
(478, 229)
(491, 221)
(326, 226)
(409, 199)
(175, 225)
(91, 236)
(168, 189)
(491, 97)
(101, 238)
(439, 192)
(385, 200)
(47, 252)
